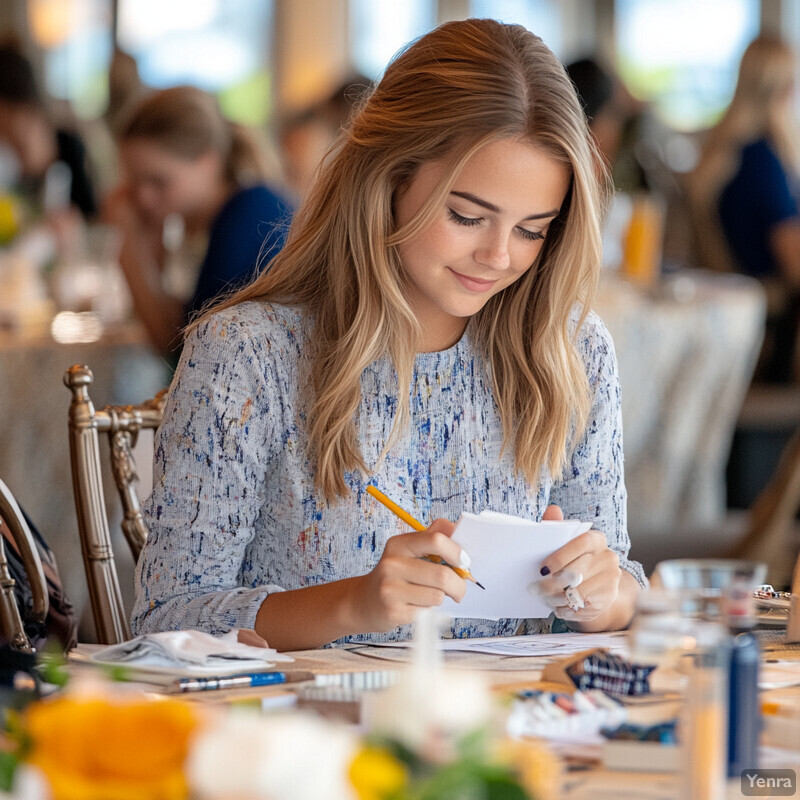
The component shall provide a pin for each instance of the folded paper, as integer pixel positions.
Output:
(507, 553)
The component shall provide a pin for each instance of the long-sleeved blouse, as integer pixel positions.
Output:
(234, 514)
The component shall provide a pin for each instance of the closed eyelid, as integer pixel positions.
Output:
(471, 198)
(463, 213)
(543, 230)
(461, 218)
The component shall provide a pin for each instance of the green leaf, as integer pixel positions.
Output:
(52, 665)
(504, 787)
(8, 767)
(474, 745)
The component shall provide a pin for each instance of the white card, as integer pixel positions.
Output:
(507, 554)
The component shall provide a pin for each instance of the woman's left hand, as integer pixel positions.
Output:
(582, 578)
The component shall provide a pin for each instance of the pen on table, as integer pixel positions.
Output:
(244, 680)
(418, 526)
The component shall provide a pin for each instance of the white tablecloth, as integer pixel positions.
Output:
(686, 354)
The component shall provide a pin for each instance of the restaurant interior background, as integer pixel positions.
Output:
(686, 339)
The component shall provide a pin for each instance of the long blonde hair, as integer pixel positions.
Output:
(760, 108)
(188, 122)
(445, 96)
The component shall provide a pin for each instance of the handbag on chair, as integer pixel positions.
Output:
(60, 623)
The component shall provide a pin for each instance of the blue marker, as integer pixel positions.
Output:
(251, 680)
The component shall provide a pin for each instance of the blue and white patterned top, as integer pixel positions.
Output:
(234, 515)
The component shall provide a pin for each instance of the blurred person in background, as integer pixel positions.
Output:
(182, 159)
(306, 136)
(744, 195)
(125, 87)
(622, 126)
(633, 143)
(45, 164)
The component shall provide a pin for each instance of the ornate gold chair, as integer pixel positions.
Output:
(11, 625)
(122, 425)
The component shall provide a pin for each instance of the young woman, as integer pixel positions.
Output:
(426, 329)
(744, 193)
(180, 155)
(47, 165)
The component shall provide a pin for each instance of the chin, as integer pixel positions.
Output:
(466, 310)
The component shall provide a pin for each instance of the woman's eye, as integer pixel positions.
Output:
(531, 236)
(468, 221)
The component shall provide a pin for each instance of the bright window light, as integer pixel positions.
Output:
(76, 39)
(221, 46)
(683, 55)
(543, 17)
(379, 28)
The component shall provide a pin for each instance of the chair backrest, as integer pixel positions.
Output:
(122, 425)
(770, 533)
(11, 625)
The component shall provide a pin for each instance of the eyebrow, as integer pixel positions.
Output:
(495, 209)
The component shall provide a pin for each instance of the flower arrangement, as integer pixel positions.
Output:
(384, 769)
(120, 745)
(439, 734)
(435, 735)
(103, 747)
(124, 748)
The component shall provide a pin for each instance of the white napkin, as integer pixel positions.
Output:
(189, 652)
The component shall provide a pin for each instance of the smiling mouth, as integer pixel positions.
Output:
(474, 284)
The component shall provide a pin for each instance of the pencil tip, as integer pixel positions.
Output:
(481, 585)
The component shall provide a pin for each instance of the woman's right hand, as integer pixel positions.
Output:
(117, 207)
(403, 581)
(120, 210)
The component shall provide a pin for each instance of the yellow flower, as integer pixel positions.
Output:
(99, 749)
(375, 773)
(538, 768)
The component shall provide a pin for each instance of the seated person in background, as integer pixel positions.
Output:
(181, 156)
(632, 142)
(622, 126)
(425, 327)
(307, 136)
(125, 87)
(744, 194)
(44, 154)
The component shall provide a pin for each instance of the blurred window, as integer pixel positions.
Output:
(379, 28)
(683, 55)
(76, 38)
(221, 46)
(543, 17)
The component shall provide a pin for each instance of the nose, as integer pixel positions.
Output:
(493, 251)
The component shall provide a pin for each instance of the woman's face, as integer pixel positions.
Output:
(26, 131)
(486, 235)
(161, 183)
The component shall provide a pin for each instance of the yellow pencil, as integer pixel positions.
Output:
(418, 526)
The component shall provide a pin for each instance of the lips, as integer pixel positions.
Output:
(473, 284)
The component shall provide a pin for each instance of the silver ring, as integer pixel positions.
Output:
(574, 598)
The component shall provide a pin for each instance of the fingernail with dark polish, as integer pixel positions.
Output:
(544, 570)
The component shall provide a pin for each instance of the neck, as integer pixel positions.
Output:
(442, 336)
(207, 213)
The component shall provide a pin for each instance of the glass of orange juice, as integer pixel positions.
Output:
(643, 241)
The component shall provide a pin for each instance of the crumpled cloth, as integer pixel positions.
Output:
(189, 649)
